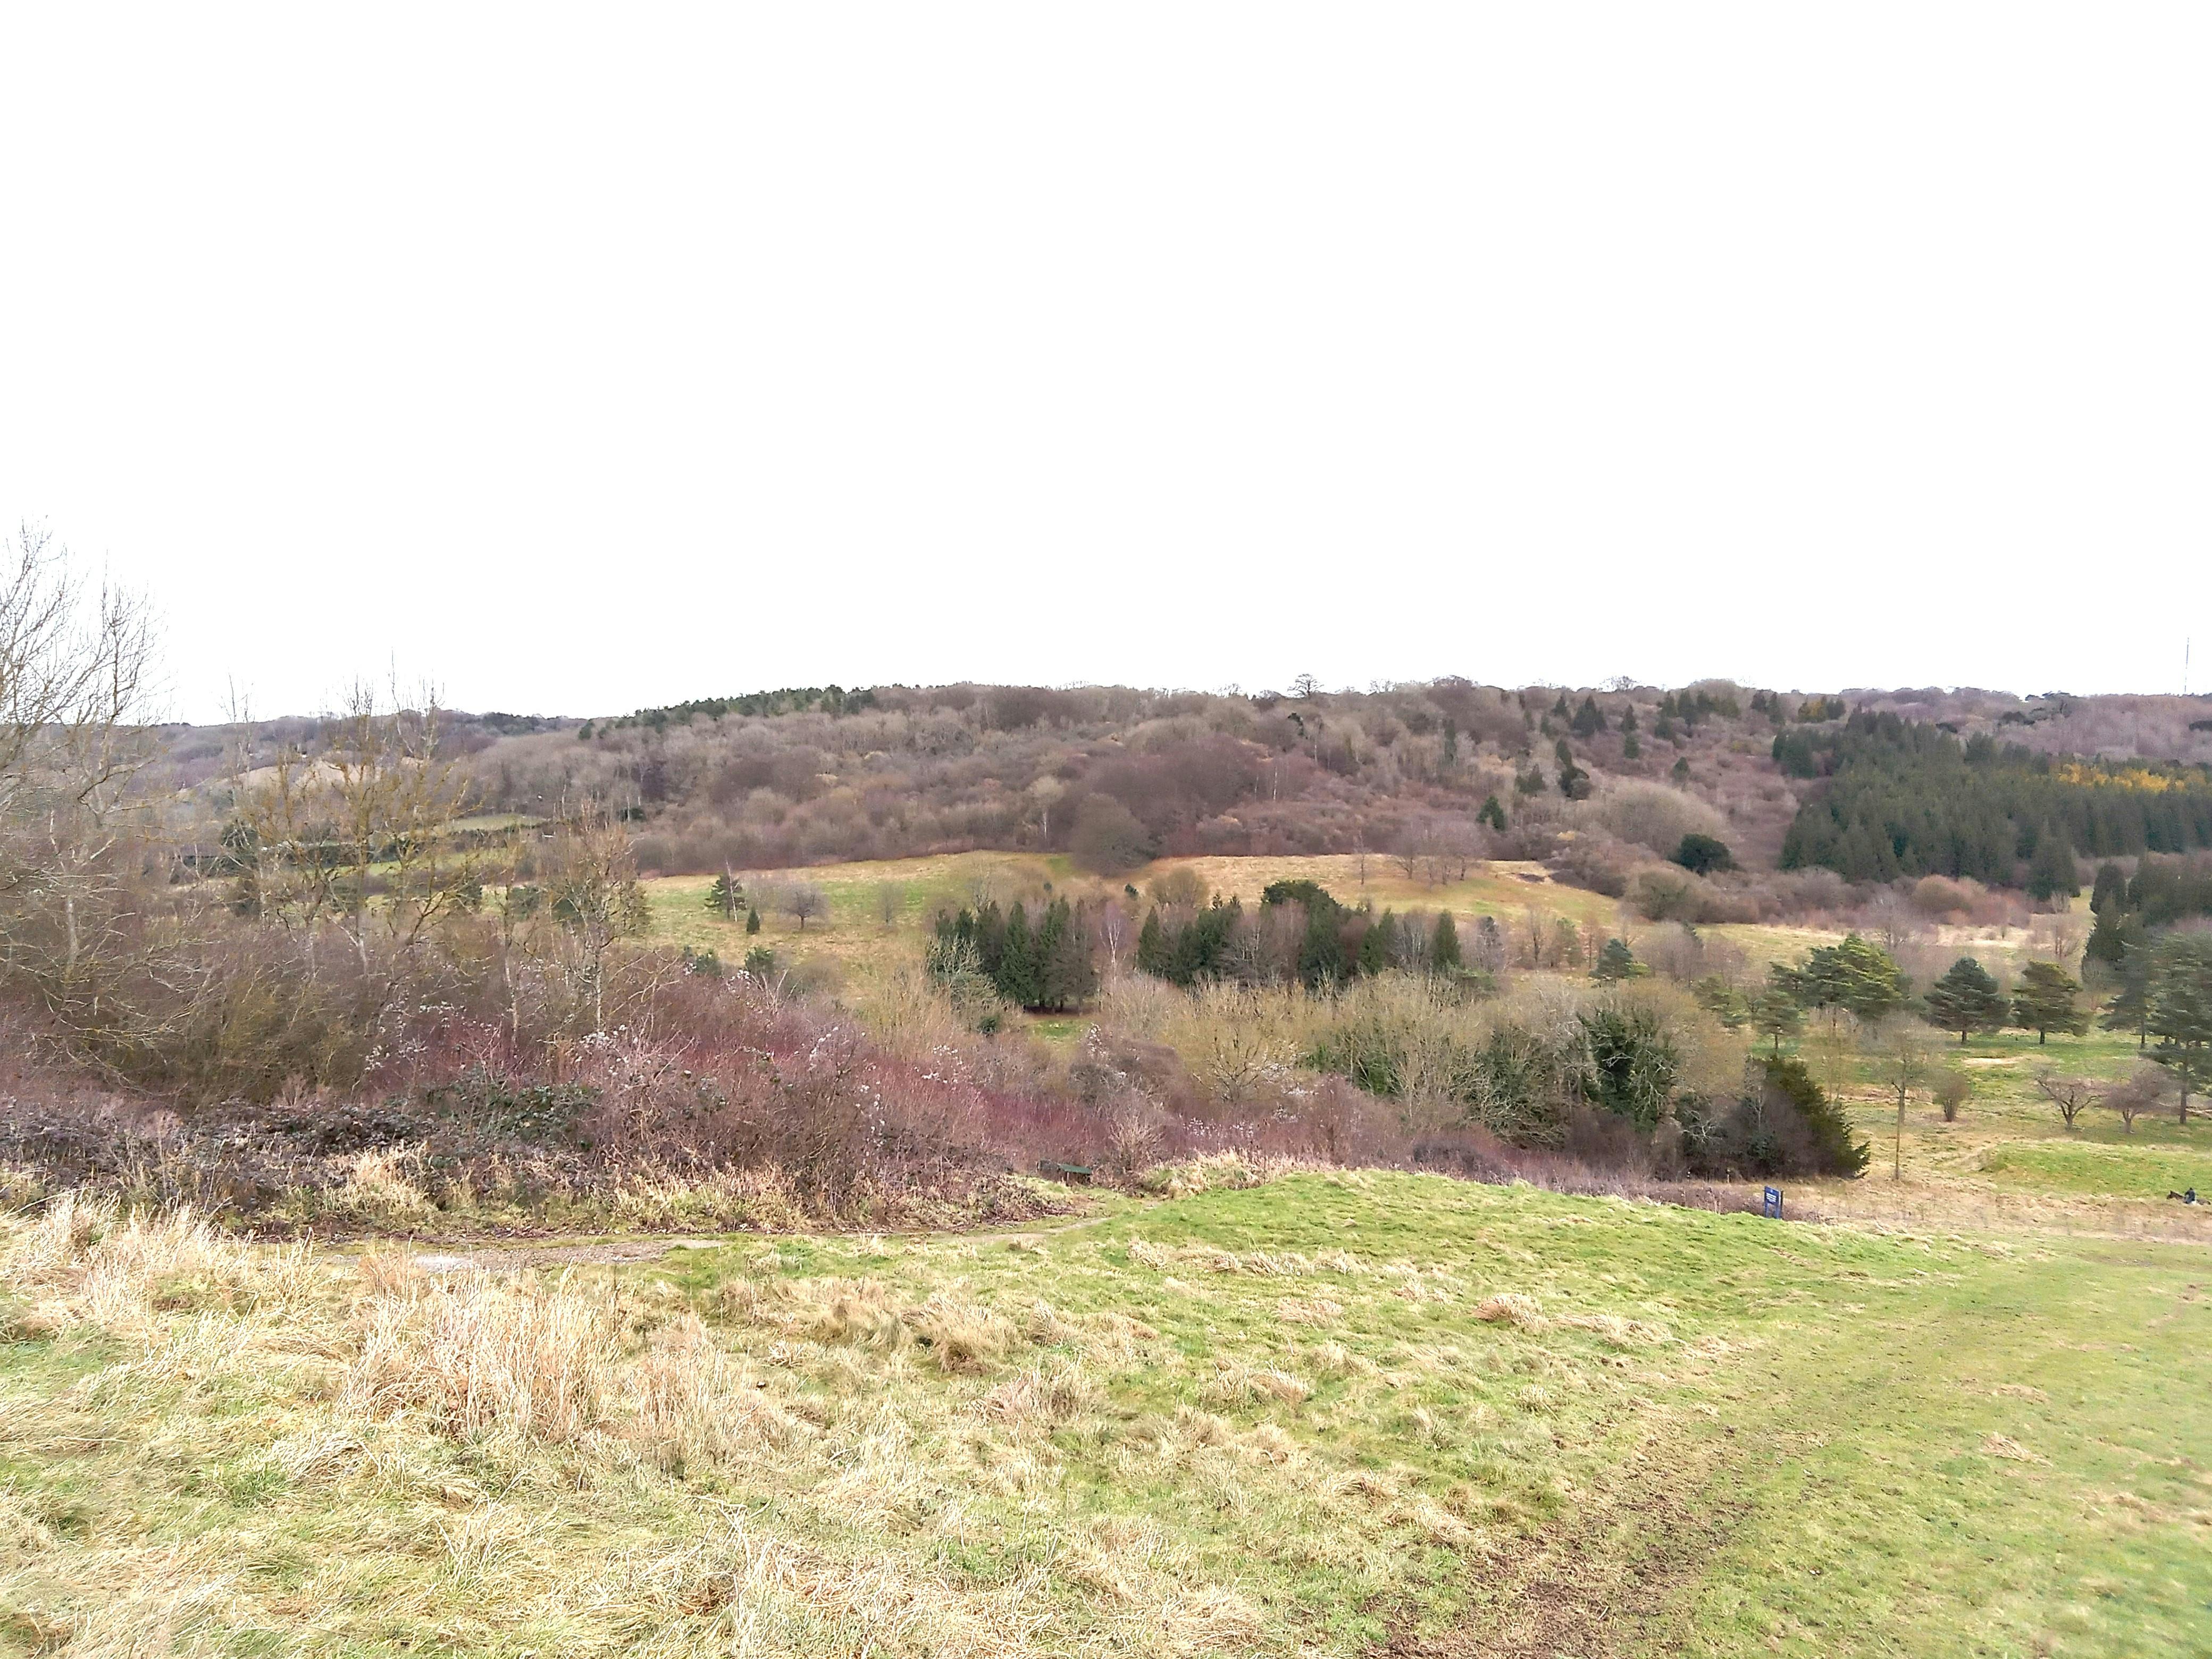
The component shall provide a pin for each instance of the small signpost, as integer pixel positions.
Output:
(1772, 1206)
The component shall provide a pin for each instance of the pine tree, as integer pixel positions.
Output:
(1776, 1014)
(1966, 999)
(2130, 1008)
(1378, 945)
(727, 897)
(2181, 1010)
(1451, 745)
(1560, 708)
(1631, 747)
(1681, 771)
(1492, 812)
(2111, 890)
(752, 920)
(1152, 954)
(1067, 975)
(1017, 976)
(1628, 720)
(2044, 1001)
(1444, 946)
(2050, 873)
(1589, 719)
(1617, 962)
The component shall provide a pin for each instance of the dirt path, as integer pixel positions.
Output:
(518, 1258)
(1609, 1583)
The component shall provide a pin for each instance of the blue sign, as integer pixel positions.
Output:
(1773, 1204)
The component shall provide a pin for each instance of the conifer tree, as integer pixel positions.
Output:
(1681, 773)
(727, 897)
(1776, 1014)
(1016, 974)
(1493, 813)
(752, 920)
(2050, 873)
(2111, 890)
(1152, 954)
(1617, 962)
(2045, 1001)
(1451, 745)
(2130, 1008)
(1966, 999)
(1444, 946)
(1378, 946)
(2181, 1010)
(1589, 719)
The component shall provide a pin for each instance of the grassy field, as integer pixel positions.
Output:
(855, 941)
(1310, 1416)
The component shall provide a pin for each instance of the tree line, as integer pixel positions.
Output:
(1905, 799)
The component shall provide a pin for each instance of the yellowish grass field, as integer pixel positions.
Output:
(1297, 1417)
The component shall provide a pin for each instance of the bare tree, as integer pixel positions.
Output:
(2070, 1095)
(75, 682)
(2138, 1093)
(803, 901)
(1905, 1057)
(592, 895)
(891, 899)
(371, 807)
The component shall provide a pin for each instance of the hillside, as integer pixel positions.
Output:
(1314, 1415)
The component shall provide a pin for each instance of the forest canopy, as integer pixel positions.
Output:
(1905, 799)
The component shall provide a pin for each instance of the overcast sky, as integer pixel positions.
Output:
(588, 362)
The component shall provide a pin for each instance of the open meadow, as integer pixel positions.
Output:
(1311, 1414)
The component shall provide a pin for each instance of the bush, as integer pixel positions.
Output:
(1702, 855)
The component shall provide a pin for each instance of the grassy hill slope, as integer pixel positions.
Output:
(1310, 1415)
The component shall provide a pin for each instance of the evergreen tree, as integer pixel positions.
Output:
(1067, 972)
(1016, 973)
(1444, 946)
(1617, 962)
(752, 920)
(1854, 975)
(1631, 747)
(2130, 1008)
(1152, 954)
(1589, 719)
(1835, 1151)
(1681, 770)
(1628, 720)
(1492, 812)
(1451, 745)
(1776, 1014)
(2108, 934)
(1560, 708)
(727, 897)
(1529, 780)
(1966, 999)
(2181, 1010)
(2050, 873)
(2045, 1001)
(1378, 946)
(2111, 890)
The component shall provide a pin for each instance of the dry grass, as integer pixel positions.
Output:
(1280, 1416)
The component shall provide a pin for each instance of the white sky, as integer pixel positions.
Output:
(585, 363)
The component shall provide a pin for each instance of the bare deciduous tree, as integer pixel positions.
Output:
(803, 902)
(75, 681)
(1905, 1057)
(2070, 1095)
(2139, 1092)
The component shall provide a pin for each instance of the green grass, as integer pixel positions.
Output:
(1295, 1416)
(2147, 1168)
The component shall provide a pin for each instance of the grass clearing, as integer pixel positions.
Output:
(1306, 1415)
